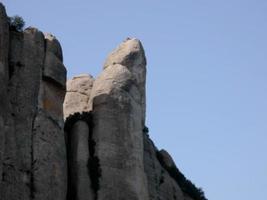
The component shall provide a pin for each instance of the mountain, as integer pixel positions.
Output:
(81, 139)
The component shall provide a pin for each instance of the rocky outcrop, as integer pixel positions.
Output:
(102, 150)
(78, 94)
(118, 110)
(33, 158)
(160, 184)
(106, 134)
(78, 135)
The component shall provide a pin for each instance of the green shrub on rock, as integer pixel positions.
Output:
(16, 23)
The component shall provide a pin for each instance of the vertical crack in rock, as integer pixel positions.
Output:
(83, 165)
(31, 184)
(94, 165)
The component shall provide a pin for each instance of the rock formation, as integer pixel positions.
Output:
(102, 150)
(33, 156)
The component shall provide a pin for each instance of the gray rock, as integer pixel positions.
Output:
(167, 159)
(51, 97)
(160, 184)
(117, 101)
(12, 177)
(79, 177)
(49, 148)
(26, 95)
(49, 158)
(4, 46)
(78, 94)
(33, 155)
(108, 158)
(54, 69)
(53, 46)
(131, 54)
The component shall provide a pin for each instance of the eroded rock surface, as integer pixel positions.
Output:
(105, 151)
(78, 133)
(117, 101)
(123, 162)
(78, 94)
(160, 184)
(33, 156)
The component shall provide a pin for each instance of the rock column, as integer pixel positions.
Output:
(118, 108)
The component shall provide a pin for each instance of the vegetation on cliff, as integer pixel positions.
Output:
(186, 185)
(16, 23)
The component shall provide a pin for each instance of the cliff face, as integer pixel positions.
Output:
(106, 134)
(102, 150)
(32, 76)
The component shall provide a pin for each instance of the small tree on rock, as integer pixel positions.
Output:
(16, 23)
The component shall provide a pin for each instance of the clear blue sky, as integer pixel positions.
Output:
(206, 84)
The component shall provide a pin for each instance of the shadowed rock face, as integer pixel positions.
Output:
(4, 46)
(160, 183)
(79, 156)
(33, 158)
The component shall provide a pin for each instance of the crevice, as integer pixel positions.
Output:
(11, 70)
(94, 169)
(94, 164)
(33, 161)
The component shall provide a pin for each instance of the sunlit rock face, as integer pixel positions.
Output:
(118, 110)
(109, 114)
(78, 94)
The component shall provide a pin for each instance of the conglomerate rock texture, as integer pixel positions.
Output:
(102, 150)
(33, 156)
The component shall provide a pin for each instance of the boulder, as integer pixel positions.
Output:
(78, 94)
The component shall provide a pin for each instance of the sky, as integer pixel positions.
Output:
(206, 80)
